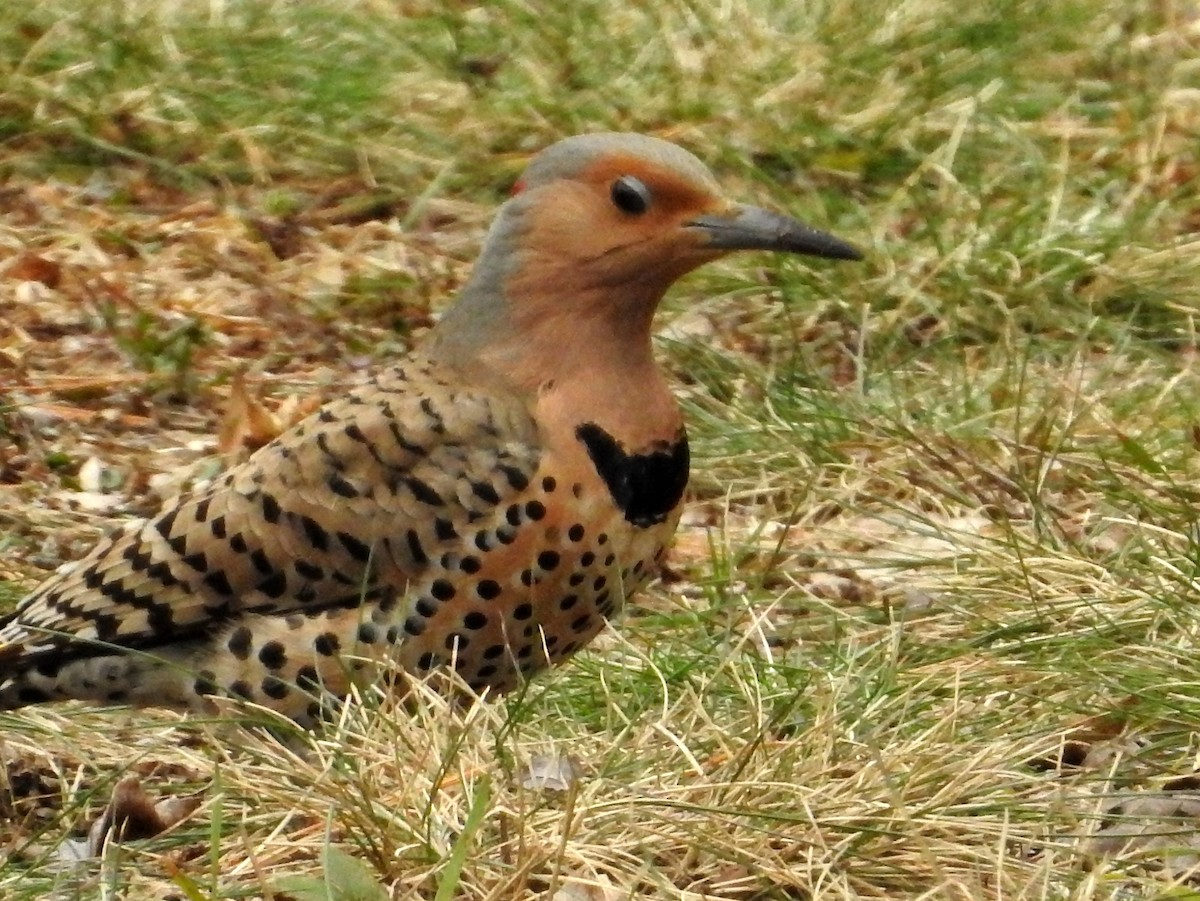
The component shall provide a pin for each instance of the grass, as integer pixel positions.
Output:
(931, 612)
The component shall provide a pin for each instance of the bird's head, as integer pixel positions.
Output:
(622, 209)
(597, 229)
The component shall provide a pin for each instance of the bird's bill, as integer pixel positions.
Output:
(751, 228)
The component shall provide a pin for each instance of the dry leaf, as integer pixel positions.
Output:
(133, 814)
(593, 888)
(1162, 826)
(547, 772)
(247, 423)
(30, 267)
(93, 475)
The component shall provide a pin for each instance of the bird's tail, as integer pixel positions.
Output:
(37, 666)
(15, 665)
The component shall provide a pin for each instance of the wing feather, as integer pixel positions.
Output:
(359, 497)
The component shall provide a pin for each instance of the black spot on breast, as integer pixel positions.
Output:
(240, 642)
(241, 689)
(307, 678)
(326, 644)
(205, 683)
(273, 655)
(274, 687)
(644, 486)
(274, 585)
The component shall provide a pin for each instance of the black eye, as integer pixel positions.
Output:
(630, 196)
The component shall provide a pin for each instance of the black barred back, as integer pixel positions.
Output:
(357, 498)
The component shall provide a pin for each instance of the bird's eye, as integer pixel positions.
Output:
(630, 196)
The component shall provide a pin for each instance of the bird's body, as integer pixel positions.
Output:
(486, 504)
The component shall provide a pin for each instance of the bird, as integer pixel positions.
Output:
(482, 505)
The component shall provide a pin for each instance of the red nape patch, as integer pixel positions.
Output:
(518, 187)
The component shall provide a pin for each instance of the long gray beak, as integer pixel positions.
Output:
(751, 228)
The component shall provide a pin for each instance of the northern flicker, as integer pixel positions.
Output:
(484, 504)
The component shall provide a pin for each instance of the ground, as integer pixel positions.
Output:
(928, 629)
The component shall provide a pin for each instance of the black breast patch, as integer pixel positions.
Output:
(644, 486)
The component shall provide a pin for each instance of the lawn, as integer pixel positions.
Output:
(928, 627)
